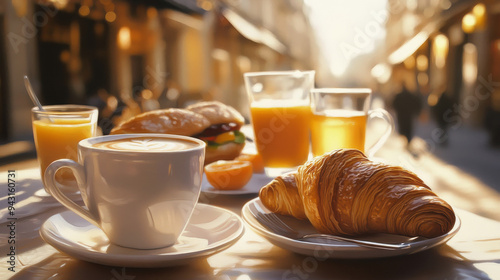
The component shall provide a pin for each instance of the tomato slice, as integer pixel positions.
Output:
(209, 138)
(217, 129)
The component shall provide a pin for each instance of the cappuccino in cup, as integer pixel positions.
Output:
(140, 189)
(147, 144)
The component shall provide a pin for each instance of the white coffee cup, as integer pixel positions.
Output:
(140, 192)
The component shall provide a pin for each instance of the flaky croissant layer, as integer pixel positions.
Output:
(344, 193)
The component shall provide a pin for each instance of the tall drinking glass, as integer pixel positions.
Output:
(279, 108)
(57, 131)
(339, 118)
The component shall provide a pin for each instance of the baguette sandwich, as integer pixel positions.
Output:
(217, 124)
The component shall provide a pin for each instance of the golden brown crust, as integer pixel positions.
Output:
(344, 193)
(217, 112)
(281, 196)
(171, 121)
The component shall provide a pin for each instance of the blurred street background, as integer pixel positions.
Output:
(434, 64)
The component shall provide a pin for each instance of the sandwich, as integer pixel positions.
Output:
(217, 124)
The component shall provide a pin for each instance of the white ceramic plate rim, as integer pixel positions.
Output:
(353, 251)
(76, 250)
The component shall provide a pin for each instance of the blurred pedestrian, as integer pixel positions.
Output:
(407, 106)
(492, 120)
(439, 110)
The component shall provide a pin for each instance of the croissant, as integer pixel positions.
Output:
(344, 193)
(281, 196)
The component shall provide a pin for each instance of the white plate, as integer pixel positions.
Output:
(253, 186)
(210, 230)
(336, 249)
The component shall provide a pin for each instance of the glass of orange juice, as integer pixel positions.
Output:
(57, 131)
(339, 119)
(280, 113)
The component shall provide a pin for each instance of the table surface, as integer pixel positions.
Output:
(474, 253)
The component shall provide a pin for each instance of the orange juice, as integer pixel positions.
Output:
(281, 132)
(335, 129)
(57, 139)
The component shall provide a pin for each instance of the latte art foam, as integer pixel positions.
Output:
(145, 144)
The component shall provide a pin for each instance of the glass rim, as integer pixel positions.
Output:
(361, 91)
(57, 109)
(89, 142)
(278, 73)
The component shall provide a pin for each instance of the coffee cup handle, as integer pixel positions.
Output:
(53, 189)
(382, 114)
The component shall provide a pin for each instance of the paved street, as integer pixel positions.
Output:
(469, 150)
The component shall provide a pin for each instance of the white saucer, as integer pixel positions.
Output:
(210, 230)
(253, 186)
(337, 249)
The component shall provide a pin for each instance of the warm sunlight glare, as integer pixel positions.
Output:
(347, 29)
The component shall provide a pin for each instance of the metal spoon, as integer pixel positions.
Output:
(32, 94)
